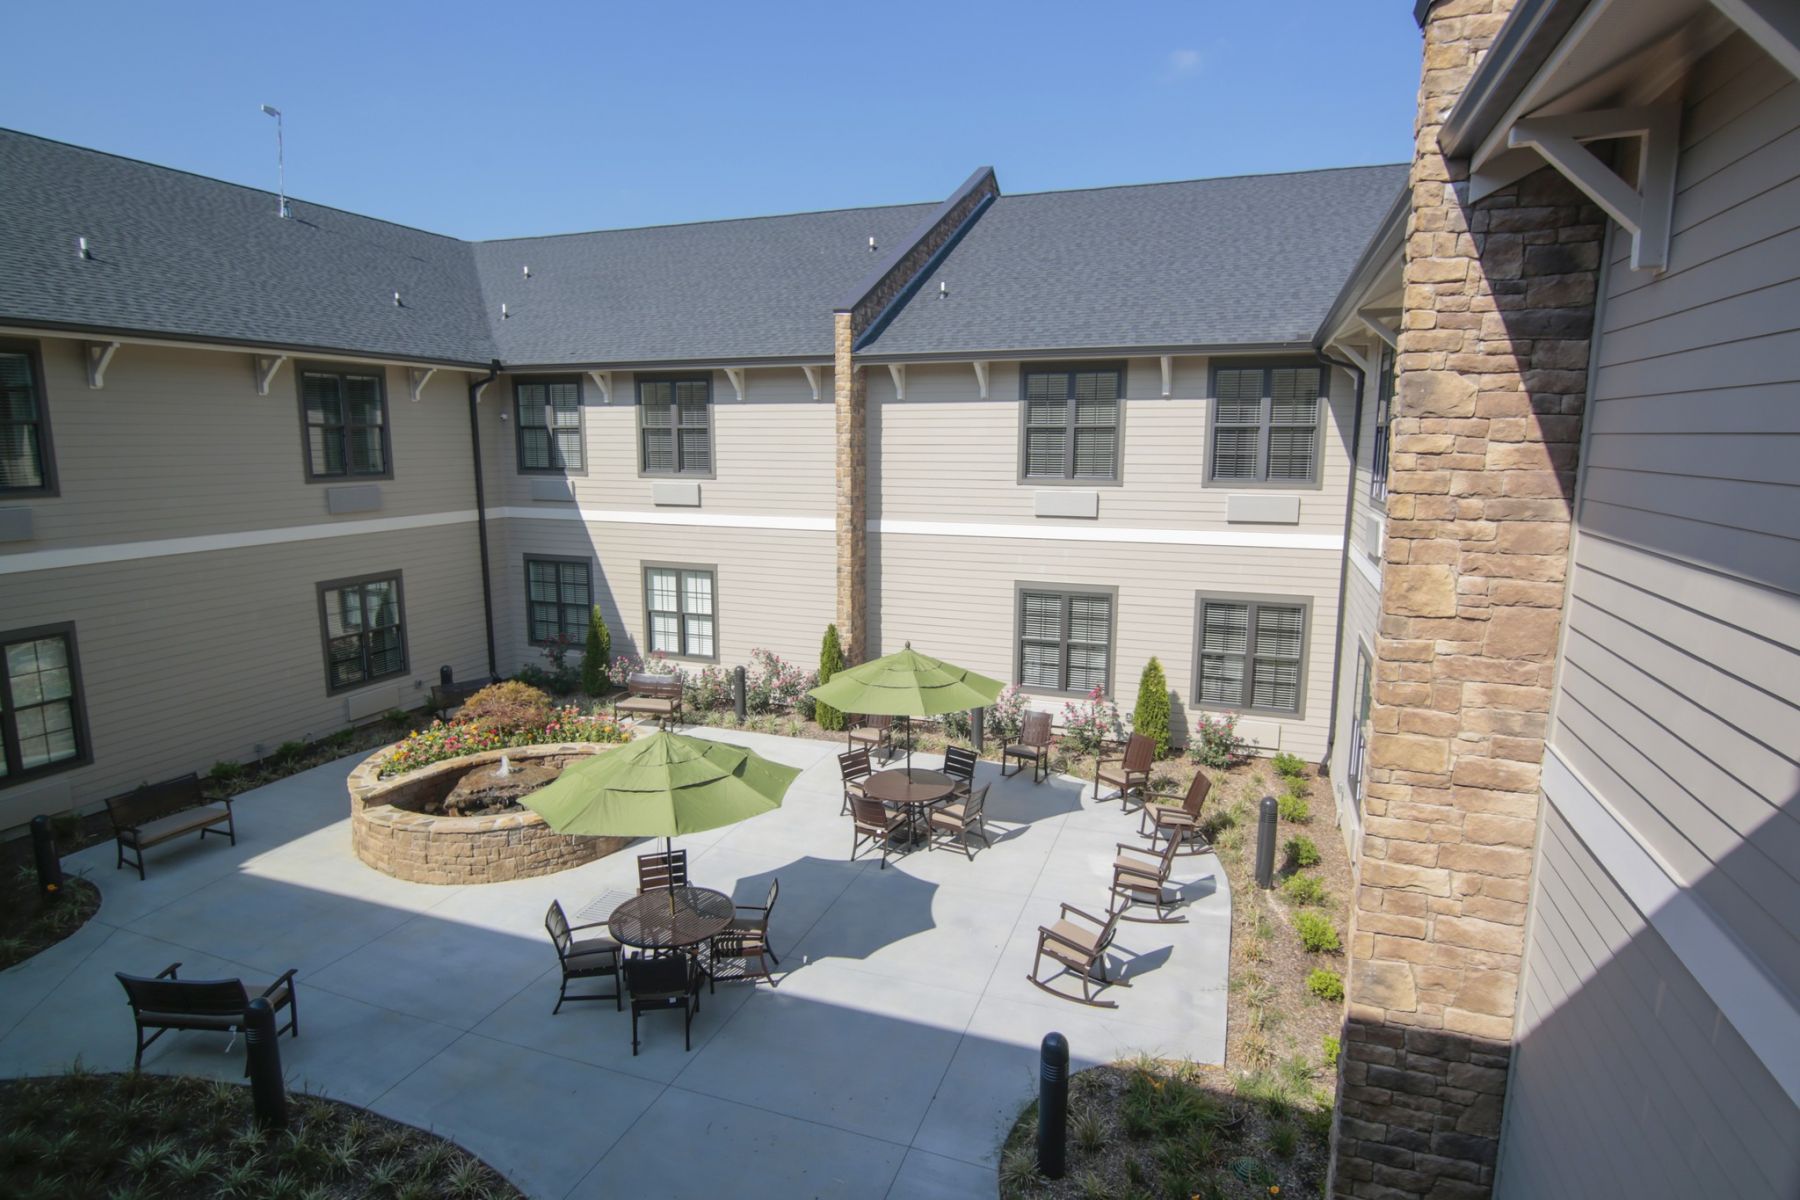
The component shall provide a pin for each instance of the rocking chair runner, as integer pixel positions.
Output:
(1080, 951)
(1128, 773)
(1182, 821)
(1141, 879)
(1032, 747)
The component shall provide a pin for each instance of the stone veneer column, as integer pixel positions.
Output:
(850, 390)
(1492, 379)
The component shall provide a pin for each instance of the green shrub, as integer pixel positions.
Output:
(1216, 743)
(1326, 985)
(287, 752)
(1290, 765)
(1317, 933)
(1151, 718)
(597, 655)
(225, 772)
(1301, 852)
(1294, 808)
(1305, 889)
(831, 661)
(1329, 1043)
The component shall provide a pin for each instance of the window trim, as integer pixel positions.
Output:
(379, 373)
(555, 558)
(1316, 481)
(1381, 442)
(1362, 685)
(1027, 369)
(580, 427)
(1253, 599)
(50, 488)
(84, 745)
(325, 629)
(645, 566)
(1065, 590)
(712, 442)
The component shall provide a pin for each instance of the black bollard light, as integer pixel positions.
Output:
(43, 853)
(738, 703)
(1053, 1105)
(1265, 843)
(262, 1046)
(977, 718)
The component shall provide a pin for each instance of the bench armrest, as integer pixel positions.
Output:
(590, 925)
(168, 972)
(287, 976)
(1070, 908)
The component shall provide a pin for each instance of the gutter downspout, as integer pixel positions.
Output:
(1337, 644)
(481, 533)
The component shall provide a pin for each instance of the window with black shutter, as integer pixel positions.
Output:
(1265, 425)
(1072, 423)
(1065, 639)
(548, 415)
(1251, 653)
(364, 629)
(559, 599)
(25, 464)
(344, 416)
(675, 426)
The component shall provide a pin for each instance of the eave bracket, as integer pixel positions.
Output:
(98, 356)
(266, 366)
(812, 379)
(739, 382)
(417, 378)
(1168, 375)
(603, 381)
(1644, 211)
(898, 371)
(981, 377)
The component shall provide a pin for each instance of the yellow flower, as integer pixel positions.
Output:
(1274, 1189)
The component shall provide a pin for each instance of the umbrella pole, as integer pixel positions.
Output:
(669, 856)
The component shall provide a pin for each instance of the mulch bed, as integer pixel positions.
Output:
(28, 922)
(85, 1135)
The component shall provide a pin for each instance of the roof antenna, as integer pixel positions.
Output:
(871, 245)
(280, 161)
(81, 248)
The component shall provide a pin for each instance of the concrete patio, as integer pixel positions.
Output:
(890, 1060)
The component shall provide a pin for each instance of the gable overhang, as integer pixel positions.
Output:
(1377, 272)
(27, 327)
(1564, 74)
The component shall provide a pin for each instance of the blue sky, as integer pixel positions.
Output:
(528, 118)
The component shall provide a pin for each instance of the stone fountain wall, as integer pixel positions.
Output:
(389, 833)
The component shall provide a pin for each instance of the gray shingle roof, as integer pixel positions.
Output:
(184, 255)
(721, 290)
(1213, 262)
(1239, 261)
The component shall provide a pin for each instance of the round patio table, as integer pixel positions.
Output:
(911, 791)
(651, 922)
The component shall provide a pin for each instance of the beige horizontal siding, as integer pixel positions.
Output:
(191, 659)
(178, 443)
(945, 454)
(1677, 696)
(1627, 1079)
(953, 598)
(774, 589)
(774, 452)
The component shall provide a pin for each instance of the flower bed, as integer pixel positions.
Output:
(441, 740)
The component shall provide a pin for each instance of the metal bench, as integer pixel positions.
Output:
(218, 1005)
(161, 812)
(657, 697)
(448, 696)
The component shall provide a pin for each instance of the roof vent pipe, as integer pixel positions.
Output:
(81, 248)
(397, 303)
(871, 245)
(504, 315)
(943, 289)
(527, 271)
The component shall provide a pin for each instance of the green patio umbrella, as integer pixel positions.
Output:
(660, 786)
(907, 684)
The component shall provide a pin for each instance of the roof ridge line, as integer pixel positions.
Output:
(1114, 187)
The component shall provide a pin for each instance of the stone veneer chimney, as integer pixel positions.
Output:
(1493, 357)
(862, 314)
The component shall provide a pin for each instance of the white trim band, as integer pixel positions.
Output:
(1365, 568)
(1105, 533)
(1758, 1009)
(609, 516)
(87, 556)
